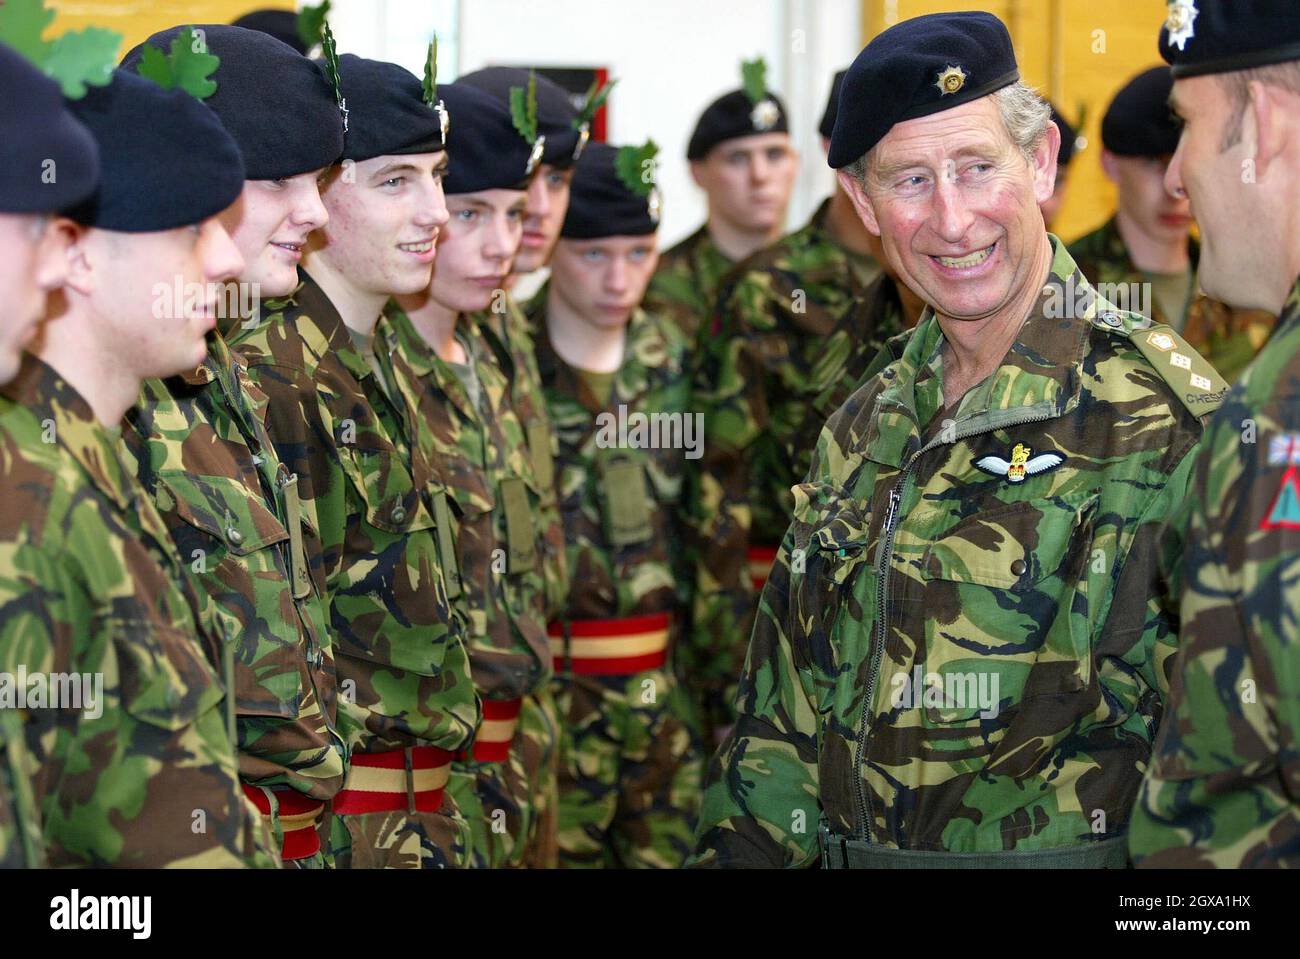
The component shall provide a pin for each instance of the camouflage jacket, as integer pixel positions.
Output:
(201, 450)
(20, 824)
(90, 584)
(1227, 338)
(1223, 787)
(685, 285)
(962, 644)
(382, 524)
(793, 334)
(621, 505)
(510, 335)
(481, 449)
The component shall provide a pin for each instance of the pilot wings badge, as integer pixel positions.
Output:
(1021, 464)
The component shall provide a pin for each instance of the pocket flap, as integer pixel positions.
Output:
(163, 678)
(227, 512)
(392, 502)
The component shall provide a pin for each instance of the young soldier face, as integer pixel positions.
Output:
(749, 180)
(33, 260)
(1226, 201)
(384, 218)
(604, 280)
(1143, 200)
(158, 294)
(476, 247)
(548, 201)
(270, 223)
(956, 207)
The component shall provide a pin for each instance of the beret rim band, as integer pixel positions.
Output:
(1239, 61)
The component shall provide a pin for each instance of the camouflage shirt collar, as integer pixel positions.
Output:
(1039, 378)
(423, 362)
(53, 401)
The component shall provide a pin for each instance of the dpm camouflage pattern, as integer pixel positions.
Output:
(481, 450)
(201, 451)
(686, 282)
(20, 823)
(1228, 339)
(90, 583)
(371, 496)
(794, 332)
(629, 763)
(1223, 787)
(1010, 550)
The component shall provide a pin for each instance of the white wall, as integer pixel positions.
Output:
(672, 57)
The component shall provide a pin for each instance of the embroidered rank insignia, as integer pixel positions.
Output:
(1285, 511)
(1021, 464)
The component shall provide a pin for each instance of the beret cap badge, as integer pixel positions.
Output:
(1180, 22)
(951, 79)
(534, 158)
(765, 115)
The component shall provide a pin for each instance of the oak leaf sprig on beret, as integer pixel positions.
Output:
(523, 109)
(188, 66)
(74, 59)
(431, 74)
(635, 166)
(310, 24)
(597, 94)
(753, 79)
(329, 50)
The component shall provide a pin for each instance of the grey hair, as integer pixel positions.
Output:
(1025, 115)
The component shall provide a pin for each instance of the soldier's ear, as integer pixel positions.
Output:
(857, 194)
(1044, 163)
(70, 238)
(1268, 112)
(697, 175)
(1109, 164)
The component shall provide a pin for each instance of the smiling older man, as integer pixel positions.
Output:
(960, 656)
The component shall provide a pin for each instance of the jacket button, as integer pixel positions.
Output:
(234, 536)
(172, 697)
(1018, 567)
(399, 514)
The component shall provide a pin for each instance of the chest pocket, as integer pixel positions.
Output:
(392, 503)
(1007, 606)
(163, 679)
(253, 579)
(830, 544)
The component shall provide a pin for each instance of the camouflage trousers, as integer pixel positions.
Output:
(509, 806)
(400, 840)
(629, 771)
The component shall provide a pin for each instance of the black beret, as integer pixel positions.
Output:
(827, 126)
(1068, 137)
(275, 102)
(601, 204)
(387, 114)
(167, 162)
(1138, 122)
(731, 116)
(917, 68)
(484, 150)
(1218, 36)
(555, 109)
(281, 24)
(37, 130)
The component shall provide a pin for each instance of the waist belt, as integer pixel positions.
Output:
(759, 559)
(299, 816)
(496, 732)
(841, 853)
(610, 647)
(393, 780)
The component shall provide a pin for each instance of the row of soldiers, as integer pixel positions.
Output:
(366, 582)
(463, 615)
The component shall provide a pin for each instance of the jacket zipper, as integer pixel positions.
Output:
(865, 810)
